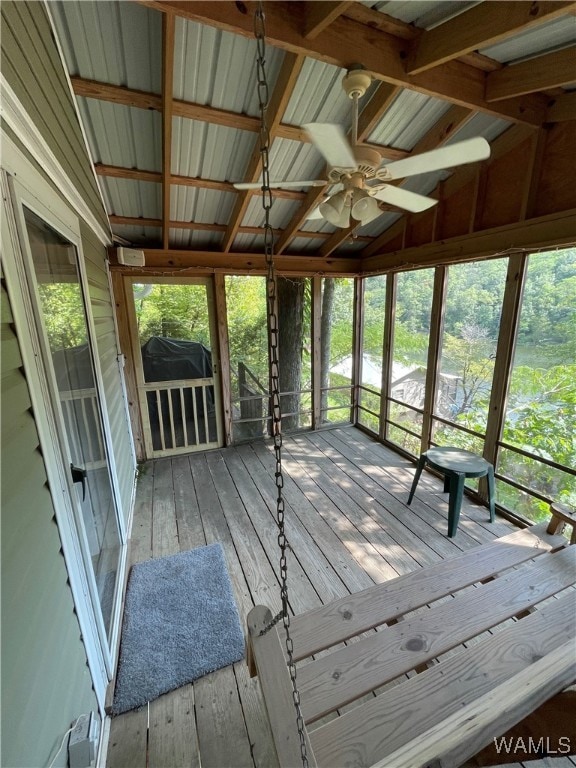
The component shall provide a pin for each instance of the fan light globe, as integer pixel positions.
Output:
(335, 210)
(364, 207)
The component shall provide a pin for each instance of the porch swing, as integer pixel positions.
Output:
(410, 707)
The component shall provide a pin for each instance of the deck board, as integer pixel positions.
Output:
(349, 525)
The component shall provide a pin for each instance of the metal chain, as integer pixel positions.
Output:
(271, 294)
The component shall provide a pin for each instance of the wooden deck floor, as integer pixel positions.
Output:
(348, 526)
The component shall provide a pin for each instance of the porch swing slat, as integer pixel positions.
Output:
(341, 619)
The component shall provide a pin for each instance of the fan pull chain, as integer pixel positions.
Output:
(271, 294)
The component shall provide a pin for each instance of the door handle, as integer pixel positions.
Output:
(79, 476)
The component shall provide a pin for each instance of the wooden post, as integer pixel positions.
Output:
(509, 319)
(434, 348)
(357, 342)
(316, 342)
(224, 354)
(387, 352)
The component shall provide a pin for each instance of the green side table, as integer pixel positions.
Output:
(456, 465)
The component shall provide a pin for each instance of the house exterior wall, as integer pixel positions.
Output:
(46, 680)
(32, 66)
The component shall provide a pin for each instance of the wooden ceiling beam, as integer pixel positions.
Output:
(539, 74)
(168, 29)
(558, 228)
(320, 15)
(480, 27)
(562, 108)
(130, 98)
(291, 68)
(241, 262)
(133, 174)
(372, 113)
(346, 41)
(134, 221)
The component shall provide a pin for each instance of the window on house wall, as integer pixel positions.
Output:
(336, 349)
(538, 448)
(409, 358)
(473, 307)
(372, 345)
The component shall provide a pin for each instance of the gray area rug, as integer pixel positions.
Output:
(180, 622)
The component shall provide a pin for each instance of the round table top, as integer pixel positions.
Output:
(457, 460)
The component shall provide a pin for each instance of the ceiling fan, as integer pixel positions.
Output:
(352, 167)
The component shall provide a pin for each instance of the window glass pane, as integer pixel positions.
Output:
(471, 322)
(409, 356)
(336, 348)
(541, 406)
(63, 317)
(372, 342)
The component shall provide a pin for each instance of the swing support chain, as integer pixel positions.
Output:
(271, 295)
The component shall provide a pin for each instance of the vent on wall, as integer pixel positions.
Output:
(130, 257)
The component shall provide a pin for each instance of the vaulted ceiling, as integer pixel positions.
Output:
(168, 101)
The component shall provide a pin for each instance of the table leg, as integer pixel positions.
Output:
(455, 501)
(491, 492)
(419, 468)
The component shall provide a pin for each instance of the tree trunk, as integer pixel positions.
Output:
(290, 329)
(329, 286)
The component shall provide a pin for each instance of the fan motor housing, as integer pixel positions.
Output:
(368, 161)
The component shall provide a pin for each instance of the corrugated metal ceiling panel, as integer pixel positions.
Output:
(318, 96)
(425, 14)
(379, 225)
(304, 245)
(410, 116)
(206, 206)
(98, 40)
(218, 68)
(555, 34)
(189, 238)
(123, 197)
(123, 136)
(292, 161)
(136, 235)
(480, 125)
(280, 214)
(210, 151)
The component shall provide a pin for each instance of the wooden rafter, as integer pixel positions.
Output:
(557, 228)
(131, 98)
(382, 54)
(320, 15)
(291, 68)
(376, 107)
(481, 26)
(136, 221)
(134, 174)
(168, 27)
(549, 71)
(562, 108)
(313, 197)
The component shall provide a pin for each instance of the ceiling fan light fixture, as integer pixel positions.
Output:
(364, 207)
(336, 210)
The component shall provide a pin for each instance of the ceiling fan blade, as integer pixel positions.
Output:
(403, 198)
(282, 184)
(332, 143)
(463, 152)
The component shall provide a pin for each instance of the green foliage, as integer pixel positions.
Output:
(174, 311)
(63, 311)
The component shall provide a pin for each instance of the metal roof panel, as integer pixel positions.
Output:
(410, 116)
(125, 197)
(218, 68)
(98, 41)
(550, 36)
(210, 151)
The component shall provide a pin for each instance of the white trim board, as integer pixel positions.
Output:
(16, 117)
